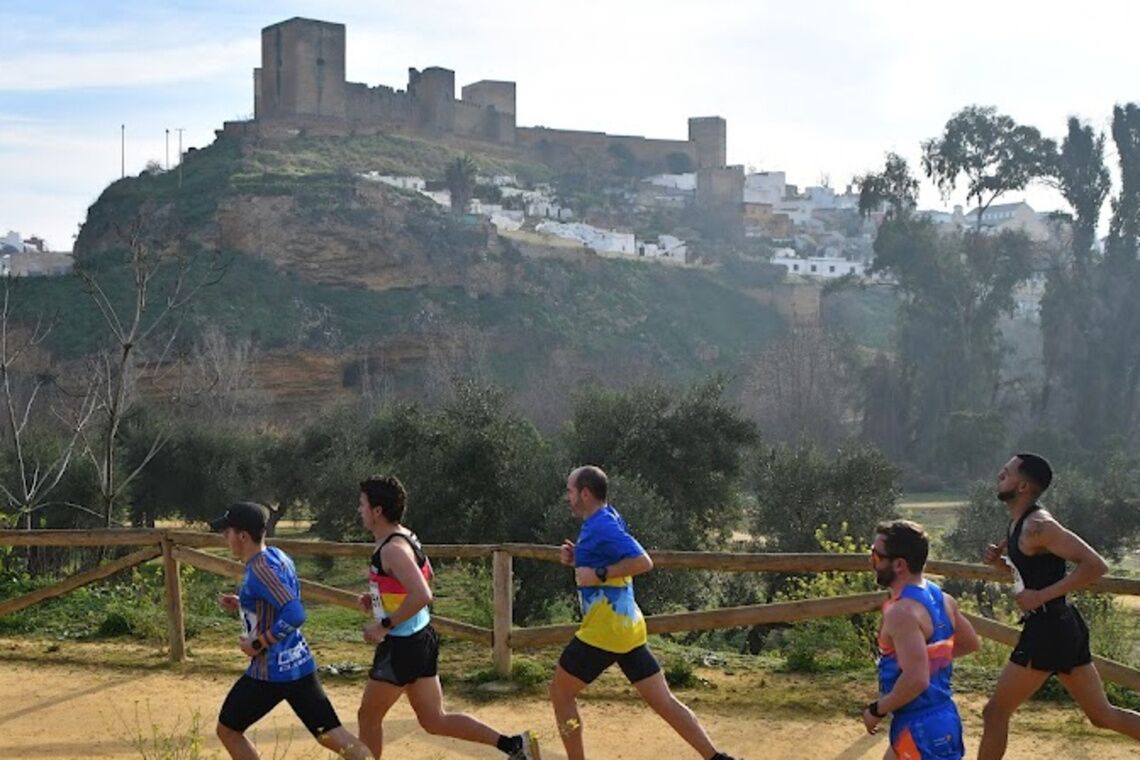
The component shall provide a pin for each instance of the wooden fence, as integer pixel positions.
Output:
(176, 547)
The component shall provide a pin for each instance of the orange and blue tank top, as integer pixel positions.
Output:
(388, 593)
(939, 651)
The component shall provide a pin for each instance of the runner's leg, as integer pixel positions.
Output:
(1015, 685)
(564, 690)
(1085, 686)
(655, 691)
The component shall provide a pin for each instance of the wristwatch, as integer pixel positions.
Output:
(387, 623)
(602, 573)
(256, 644)
(873, 708)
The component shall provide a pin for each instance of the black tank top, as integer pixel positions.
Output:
(1037, 570)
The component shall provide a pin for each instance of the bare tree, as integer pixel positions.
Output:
(165, 277)
(38, 469)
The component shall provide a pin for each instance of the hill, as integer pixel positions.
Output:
(322, 263)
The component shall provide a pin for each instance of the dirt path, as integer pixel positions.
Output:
(55, 711)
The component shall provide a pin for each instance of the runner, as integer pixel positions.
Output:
(921, 634)
(605, 559)
(281, 666)
(407, 646)
(1054, 638)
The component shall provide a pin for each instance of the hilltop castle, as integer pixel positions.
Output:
(300, 88)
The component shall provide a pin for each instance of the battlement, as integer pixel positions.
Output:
(300, 88)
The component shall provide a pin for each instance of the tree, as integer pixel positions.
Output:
(1082, 177)
(802, 496)
(1090, 315)
(689, 446)
(800, 387)
(476, 471)
(37, 466)
(994, 153)
(955, 286)
(894, 188)
(165, 275)
(460, 178)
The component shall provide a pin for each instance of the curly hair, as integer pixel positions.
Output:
(387, 493)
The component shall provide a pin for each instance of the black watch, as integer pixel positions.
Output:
(602, 573)
(873, 708)
(387, 623)
(257, 644)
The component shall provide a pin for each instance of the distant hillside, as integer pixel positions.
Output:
(321, 262)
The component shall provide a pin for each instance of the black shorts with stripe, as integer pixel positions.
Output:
(250, 700)
(1055, 640)
(400, 660)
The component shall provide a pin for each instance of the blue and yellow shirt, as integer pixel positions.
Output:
(611, 619)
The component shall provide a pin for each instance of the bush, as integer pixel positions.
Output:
(679, 674)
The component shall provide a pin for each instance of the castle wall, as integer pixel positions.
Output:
(710, 135)
(433, 93)
(381, 107)
(561, 145)
(491, 94)
(302, 69)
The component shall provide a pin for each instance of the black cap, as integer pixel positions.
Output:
(244, 515)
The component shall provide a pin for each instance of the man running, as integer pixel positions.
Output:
(605, 559)
(407, 647)
(921, 634)
(1054, 638)
(281, 667)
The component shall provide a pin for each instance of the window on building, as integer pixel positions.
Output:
(813, 267)
(852, 270)
(831, 268)
(795, 267)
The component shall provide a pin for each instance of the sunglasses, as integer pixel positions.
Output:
(876, 555)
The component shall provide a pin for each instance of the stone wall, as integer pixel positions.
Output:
(302, 70)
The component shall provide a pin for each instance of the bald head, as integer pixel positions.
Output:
(591, 478)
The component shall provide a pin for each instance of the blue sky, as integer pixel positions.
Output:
(813, 89)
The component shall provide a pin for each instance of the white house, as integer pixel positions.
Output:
(609, 241)
(822, 267)
(765, 187)
(442, 197)
(548, 209)
(417, 184)
(12, 240)
(508, 220)
(686, 181)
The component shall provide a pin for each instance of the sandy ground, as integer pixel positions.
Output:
(64, 711)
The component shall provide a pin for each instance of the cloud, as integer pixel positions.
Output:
(35, 70)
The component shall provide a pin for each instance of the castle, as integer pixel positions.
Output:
(300, 88)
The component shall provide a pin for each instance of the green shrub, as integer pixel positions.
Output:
(679, 674)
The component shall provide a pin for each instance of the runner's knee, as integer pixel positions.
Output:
(1103, 716)
(433, 723)
(994, 711)
(225, 733)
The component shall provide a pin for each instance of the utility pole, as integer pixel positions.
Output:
(167, 165)
(179, 130)
(122, 151)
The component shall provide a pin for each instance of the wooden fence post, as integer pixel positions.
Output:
(175, 622)
(503, 592)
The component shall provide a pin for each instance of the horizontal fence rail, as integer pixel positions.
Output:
(186, 546)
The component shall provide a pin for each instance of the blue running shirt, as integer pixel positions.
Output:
(270, 599)
(611, 619)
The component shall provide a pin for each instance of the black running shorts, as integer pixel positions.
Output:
(1053, 640)
(586, 662)
(400, 660)
(250, 700)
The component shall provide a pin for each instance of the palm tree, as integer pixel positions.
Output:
(461, 183)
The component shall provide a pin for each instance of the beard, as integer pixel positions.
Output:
(1007, 495)
(885, 577)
